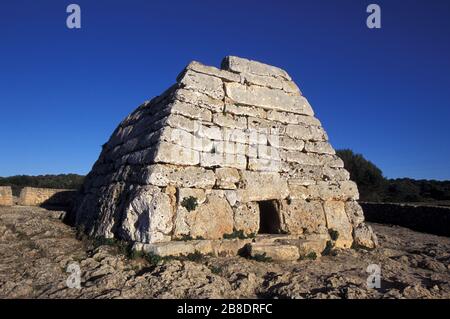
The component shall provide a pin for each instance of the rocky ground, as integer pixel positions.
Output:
(36, 248)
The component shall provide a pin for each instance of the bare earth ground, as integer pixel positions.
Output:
(36, 247)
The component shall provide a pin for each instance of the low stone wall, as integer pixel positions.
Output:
(428, 219)
(31, 196)
(6, 198)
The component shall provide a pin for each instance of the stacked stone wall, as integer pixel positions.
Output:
(226, 139)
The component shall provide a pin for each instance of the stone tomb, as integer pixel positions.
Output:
(223, 153)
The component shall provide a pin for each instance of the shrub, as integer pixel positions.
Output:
(334, 234)
(261, 257)
(190, 203)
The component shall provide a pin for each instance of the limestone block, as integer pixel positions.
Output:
(199, 99)
(299, 216)
(343, 191)
(292, 118)
(241, 65)
(245, 110)
(210, 70)
(286, 143)
(306, 133)
(268, 152)
(173, 248)
(337, 220)
(184, 123)
(209, 85)
(246, 218)
(354, 213)
(227, 178)
(189, 176)
(319, 147)
(212, 218)
(301, 158)
(270, 82)
(186, 139)
(6, 198)
(275, 251)
(313, 243)
(269, 99)
(258, 186)
(229, 247)
(176, 154)
(235, 148)
(148, 216)
(223, 159)
(365, 237)
(297, 190)
(32, 196)
(265, 126)
(332, 161)
(264, 165)
(230, 121)
(210, 132)
(231, 196)
(335, 174)
(190, 110)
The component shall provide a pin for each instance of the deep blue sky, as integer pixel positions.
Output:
(383, 93)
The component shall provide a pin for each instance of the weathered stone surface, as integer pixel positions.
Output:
(199, 159)
(179, 176)
(230, 121)
(337, 220)
(257, 186)
(6, 198)
(246, 218)
(209, 85)
(300, 216)
(227, 178)
(269, 99)
(191, 110)
(223, 159)
(32, 196)
(241, 65)
(346, 190)
(199, 99)
(276, 252)
(319, 147)
(209, 70)
(149, 216)
(365, 237)
(211, 219)
(245, 110)
(270, 82)
(292, 118)
(306, 133)
(354, 213)
(186, 139)
(176, 154)
(264, 165)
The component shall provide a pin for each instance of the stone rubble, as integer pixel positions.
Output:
(227, 140)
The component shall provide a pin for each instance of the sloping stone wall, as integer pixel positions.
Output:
(6, 198)
(428, 219)
(221, 140)
(31, 196)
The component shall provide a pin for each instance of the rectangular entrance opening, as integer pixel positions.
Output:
(269, 217)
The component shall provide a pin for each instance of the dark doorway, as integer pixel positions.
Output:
(269, 218)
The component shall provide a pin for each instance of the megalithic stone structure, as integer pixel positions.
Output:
(222, 150)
